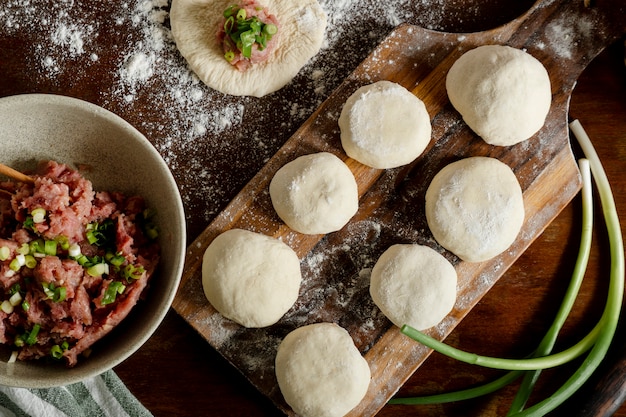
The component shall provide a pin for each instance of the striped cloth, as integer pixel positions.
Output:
(100, 396)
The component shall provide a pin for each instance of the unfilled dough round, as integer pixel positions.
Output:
(320, 371)
(502, 93)
(315, 194)
(250, 278)
(413, 284)
(383, 125)
(475, 208)
(194, 23)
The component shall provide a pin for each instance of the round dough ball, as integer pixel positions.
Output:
(475, 208)
(315, 194)
(194, 23)
(413, 284)
(383, 125)
(320, 371)
(502, 93)
(250, 278)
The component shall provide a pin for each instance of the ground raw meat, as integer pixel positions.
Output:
(259, 54)
(65, 304)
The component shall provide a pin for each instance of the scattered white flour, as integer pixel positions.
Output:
(151, 86)
(72, 37)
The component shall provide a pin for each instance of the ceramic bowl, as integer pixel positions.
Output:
(36, 127)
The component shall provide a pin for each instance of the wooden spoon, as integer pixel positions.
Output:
(16, 175)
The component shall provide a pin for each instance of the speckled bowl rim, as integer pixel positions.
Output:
(34, 127)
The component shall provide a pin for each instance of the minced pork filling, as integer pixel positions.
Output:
(73, 262)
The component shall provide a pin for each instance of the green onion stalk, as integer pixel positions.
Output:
(596, 343)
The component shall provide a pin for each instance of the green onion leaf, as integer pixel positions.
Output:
(230, 11)
(48, 290)
(98, 269)
(5, 252)
(29, 223)
(133, 272)
(15, 288)
(229, 24)
(31, 339)
(59, 294)
(38, 215)
(270, 29)
(56, 352)
(16, 264)
(50, 247)
(24, 249)
(30, 261)
(110, 294)
(101, 234)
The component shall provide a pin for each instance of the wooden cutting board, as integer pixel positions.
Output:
(564, 35)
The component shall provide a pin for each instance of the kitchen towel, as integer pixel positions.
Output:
(104, 395)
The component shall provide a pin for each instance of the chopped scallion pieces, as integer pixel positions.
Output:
(56, 352)
(31, 339)
(53, 292)
(30, 261)
(6, 306)
(24, 249)
(98, 269)
(245, 32)
(15, 288)
(15, 299)
(63, 242)
(48, 290)
(133, 272)
(59, 294)
(39, 215)
(230, 10)
(101, 234)
(50, 247)
(270, 29)
(74, 250)
(5, 252)
(116, 259)
(110, 294)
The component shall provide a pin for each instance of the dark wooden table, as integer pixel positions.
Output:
(117, 55)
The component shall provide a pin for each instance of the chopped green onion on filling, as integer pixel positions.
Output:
(98, 269)
(245, 32)
(110, 294)
(29, 337)
(5, 252)
(54, 293)
(39, 215)
(56, 351)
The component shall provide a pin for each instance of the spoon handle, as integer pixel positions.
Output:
(16, 175)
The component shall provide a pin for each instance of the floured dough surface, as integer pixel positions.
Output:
(320, 371)
(502, 93)
(383, 125)
(413, 284)
(475, 208)
(315, 193)
(194, 23)
(250, 278)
